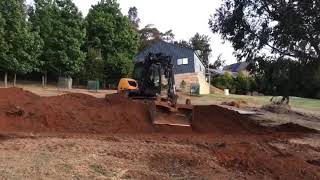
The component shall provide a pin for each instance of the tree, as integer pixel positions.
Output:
(94, 64)
(218, 63)
(149, 35)
(224, 82)
(119, 40)
(3, 47)
(22, 45)
(62, 29)
(168, 36)
(288, 29)
(202, 43)
(183, 43)
(133, 17)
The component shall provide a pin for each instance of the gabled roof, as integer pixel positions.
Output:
(166, 48)
(237, 67)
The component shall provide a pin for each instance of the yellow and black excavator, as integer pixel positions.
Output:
(148, 85)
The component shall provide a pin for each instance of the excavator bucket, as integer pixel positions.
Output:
(164, 114)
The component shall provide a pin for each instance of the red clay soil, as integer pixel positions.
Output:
(234, 142)
(266, 161)
(216, 119)
(71, 113)
(23, 111)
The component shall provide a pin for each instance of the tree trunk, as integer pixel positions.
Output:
(5, 79)
(14, 80)
(69, 80)
(46, 78)
(43, 81)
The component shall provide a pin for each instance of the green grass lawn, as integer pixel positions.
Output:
(295, 102)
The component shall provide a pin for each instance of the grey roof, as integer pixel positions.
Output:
(237, 67)
(219, 72)
(175, 51)
(164, 47)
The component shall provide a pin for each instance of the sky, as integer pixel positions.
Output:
(184, 17)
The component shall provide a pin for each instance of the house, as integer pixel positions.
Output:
(186, 62)
(237, 67)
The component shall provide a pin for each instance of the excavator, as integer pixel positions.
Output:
(148, 84)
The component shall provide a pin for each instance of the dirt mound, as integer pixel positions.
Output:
(73, 113)
(216, 119)
(236, 104)
(22, 111)
(265, 160)
(279, 109)
(292, 127)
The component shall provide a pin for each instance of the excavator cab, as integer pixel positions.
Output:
(148, 76)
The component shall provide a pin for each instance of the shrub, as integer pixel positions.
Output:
(241, 84)
(183, 84)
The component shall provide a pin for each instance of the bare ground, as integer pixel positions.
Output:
(283, 155)
(157, 157)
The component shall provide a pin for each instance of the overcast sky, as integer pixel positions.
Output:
(185, 18)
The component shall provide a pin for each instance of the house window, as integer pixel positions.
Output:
(182, 61)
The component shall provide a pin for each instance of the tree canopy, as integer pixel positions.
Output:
(199, 43)
(62, 29)
(218, 63)
(202, 43)
(133, 17)
(19, 46)
(119, 40)
(276, 31)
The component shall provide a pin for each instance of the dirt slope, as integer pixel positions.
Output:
(73, 113)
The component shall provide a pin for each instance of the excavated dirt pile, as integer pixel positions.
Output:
(23, 111)
(216, 119)
(73, 113)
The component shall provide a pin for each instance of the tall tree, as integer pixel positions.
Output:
(202, 43)
(288, 29)
(94, 63)
(3, 47)
(218, 63)
(168, 36)
(23, 46)
(183, 43)
(133, 17)
(150, 35)
(119, 40)
(62, 29)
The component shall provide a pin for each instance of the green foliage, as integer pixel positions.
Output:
(183, 43)
(133, 17)
(183, 84)
(119, 40)
(202, 43)
(3, 46)
(290, 29)
(94, 65)
(242, 83)
(224, 82)
(218, 63)
(62, 29)
(19, 46)
(150, 35)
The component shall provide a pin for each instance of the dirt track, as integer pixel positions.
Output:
(79, 136)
